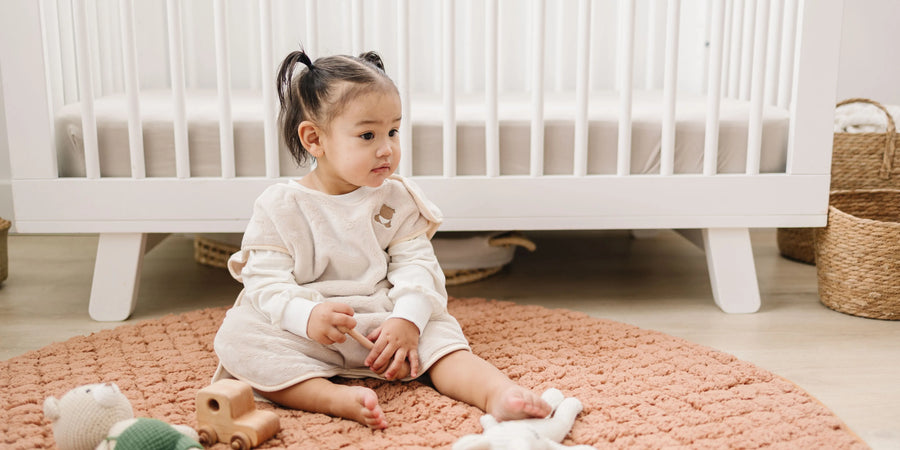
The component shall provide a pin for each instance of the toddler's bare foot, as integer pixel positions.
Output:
(365, 409)
(516, 402)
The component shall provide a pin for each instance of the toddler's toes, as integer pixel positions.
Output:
(370, 413)
(516, 402)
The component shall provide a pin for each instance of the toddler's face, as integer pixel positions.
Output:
(362, 144)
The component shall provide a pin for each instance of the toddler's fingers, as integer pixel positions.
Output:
(342, 308)
(384, 359)
(373, 335)
(396, 363)
(336, 336)
(414, 363)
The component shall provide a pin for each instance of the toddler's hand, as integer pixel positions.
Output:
(326, 318)
(396, 341)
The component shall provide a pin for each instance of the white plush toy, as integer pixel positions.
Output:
(99, 416)
(527, 434)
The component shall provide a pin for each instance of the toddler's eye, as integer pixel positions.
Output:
(368, 136)
(393, 132)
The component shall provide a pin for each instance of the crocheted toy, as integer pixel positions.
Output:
(533, 434)
(99, 416)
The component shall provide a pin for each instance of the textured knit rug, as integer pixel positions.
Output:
(640, 388)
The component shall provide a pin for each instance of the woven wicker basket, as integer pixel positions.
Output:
(215, 253)
(858, 254)
(212, 253)
(859, 161)
(4, 252)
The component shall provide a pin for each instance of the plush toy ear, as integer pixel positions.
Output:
(106, 395)
(51, 409)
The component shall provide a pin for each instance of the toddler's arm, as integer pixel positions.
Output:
(269, 286)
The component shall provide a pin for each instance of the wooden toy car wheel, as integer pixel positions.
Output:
(240, 441)
(207, 435)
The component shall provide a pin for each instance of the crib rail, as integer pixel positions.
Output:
(758, 51)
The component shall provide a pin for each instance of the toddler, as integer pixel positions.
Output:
(347, 247)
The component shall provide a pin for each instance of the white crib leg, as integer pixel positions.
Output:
(116, 275)
(732, 271)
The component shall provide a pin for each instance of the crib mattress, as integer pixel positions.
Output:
(514, 112)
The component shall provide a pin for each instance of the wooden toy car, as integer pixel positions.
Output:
(226, 412)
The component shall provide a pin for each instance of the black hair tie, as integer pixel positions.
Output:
(304, 58)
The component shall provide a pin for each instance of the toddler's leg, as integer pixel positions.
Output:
(466, 377)
(320, 395)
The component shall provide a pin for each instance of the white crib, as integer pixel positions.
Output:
(138, 119)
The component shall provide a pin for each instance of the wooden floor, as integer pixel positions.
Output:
(851, 364)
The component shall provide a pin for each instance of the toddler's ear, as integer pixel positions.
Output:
(310, 137)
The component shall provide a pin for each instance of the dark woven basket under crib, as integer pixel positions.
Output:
(859, 161)
(214, 253)
(858, 254)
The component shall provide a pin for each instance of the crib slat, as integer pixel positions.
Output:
(94, 45)
(132, 89)
(625, 66)
(176, 69)
(491, 124)
(357, 26)
(650, 74)
(560, 47)
(67, 57)
(107, 47)
(538, 36)
(223, 81)
(667, 146)
(254, 43)
(86, 92)
(312, 29)
(772, 55)
(470, 47)
(714, 90)
(734, 53)
(754, 132)
(52, 55)
(726, 46)
(582, 87)
(189, 46)
(449, 85)
(406, 162)
(747, 43)
(788, 42)
(267, 76)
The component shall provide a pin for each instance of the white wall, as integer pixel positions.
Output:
(870, 63)
(6, 205)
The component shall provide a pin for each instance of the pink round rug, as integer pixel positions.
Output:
(640, 388)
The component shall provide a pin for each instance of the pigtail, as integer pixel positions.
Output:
(293, 103)
(283, 80)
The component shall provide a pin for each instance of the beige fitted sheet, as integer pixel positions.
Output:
(427, 112)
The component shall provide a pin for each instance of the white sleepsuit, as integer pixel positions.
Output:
(369, 248)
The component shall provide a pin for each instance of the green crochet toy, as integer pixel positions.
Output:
(99, 416)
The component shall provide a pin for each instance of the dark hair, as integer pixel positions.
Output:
(316, 93)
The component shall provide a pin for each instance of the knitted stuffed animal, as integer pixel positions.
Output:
(100, 416)
(527, 434)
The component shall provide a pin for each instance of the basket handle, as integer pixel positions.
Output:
(512, 238)
(887, 162)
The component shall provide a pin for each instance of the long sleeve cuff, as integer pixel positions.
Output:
(296, 316)
(415, 308)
